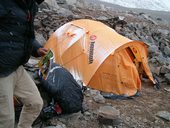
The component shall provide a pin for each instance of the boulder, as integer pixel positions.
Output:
(165, 69)
(108, 115)
(99, 98)
(164, 115)
(167, 76)
(52, 4)
(167, 51)
(39, 37)
(108, 112)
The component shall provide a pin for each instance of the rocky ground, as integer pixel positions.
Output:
(152, 108)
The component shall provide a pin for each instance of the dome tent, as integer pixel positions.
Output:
(100, 57)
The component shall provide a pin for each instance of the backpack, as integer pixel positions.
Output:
(63, 89)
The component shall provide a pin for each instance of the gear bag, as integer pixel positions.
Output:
(64, 89)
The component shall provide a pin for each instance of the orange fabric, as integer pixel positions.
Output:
(117, 74)
(95, 54)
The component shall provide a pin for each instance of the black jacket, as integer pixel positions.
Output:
(17, 39)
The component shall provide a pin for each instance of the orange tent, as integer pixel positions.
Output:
(100, 57)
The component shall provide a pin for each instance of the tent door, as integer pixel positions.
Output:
(135, 59)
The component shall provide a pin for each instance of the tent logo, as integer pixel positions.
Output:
(91, 51)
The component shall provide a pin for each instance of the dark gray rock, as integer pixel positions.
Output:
(164, 114)
(99, 98)
(108, 115)
(164, 31)
(39, 37)
(167, 51)
(108, 112)
(165, 69)
(152, 49)
(167, 76)
(161, 60)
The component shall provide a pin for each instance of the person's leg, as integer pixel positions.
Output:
(6, 102)
(28, 93)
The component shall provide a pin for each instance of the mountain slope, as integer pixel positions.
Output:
(159, 5)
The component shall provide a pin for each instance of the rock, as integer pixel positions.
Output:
(37, 23)
(167, 89)
(32, 62)
(108, 112)
(128, 119)
(149, 40)
(164, 114)
(155, 70)
(64, 12)
(78, 3)
(161, 45)
(71, 2)
(152, 49)
(159, 19)
(44, 5)
(168, 61)
(164, 31)
(121, 18)
(99, 98)
(58, 126)
(165, 69)
(39, 37)
(161, 60)
(87, 114)
(102, 18)
(149, 18)
(61, 2)
(52, 4)
(167, 77)
(94, 92)
(50, 127)
(167, 51)
(107, 126)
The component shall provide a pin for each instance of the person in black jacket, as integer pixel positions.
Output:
(17, 43)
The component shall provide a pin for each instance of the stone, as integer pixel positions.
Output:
(64, 12)
(165, 69)
(108, 112)
(99, 98)
(167, 77)
(161, 60)
(167, 51)
(155, 70)
(167, 89)
(87, 113)
(50, 127)
(94, 92)
(164, 31)
(39, 37)
(61, 1)
(102, 7)
(149, 19)
(37, 23)
(102, 18)
(164, 114)
(52, 4)
(152, 49)
(149, 40)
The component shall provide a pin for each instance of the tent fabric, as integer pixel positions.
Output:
(100, 57)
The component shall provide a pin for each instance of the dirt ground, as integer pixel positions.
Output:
(139, 112)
